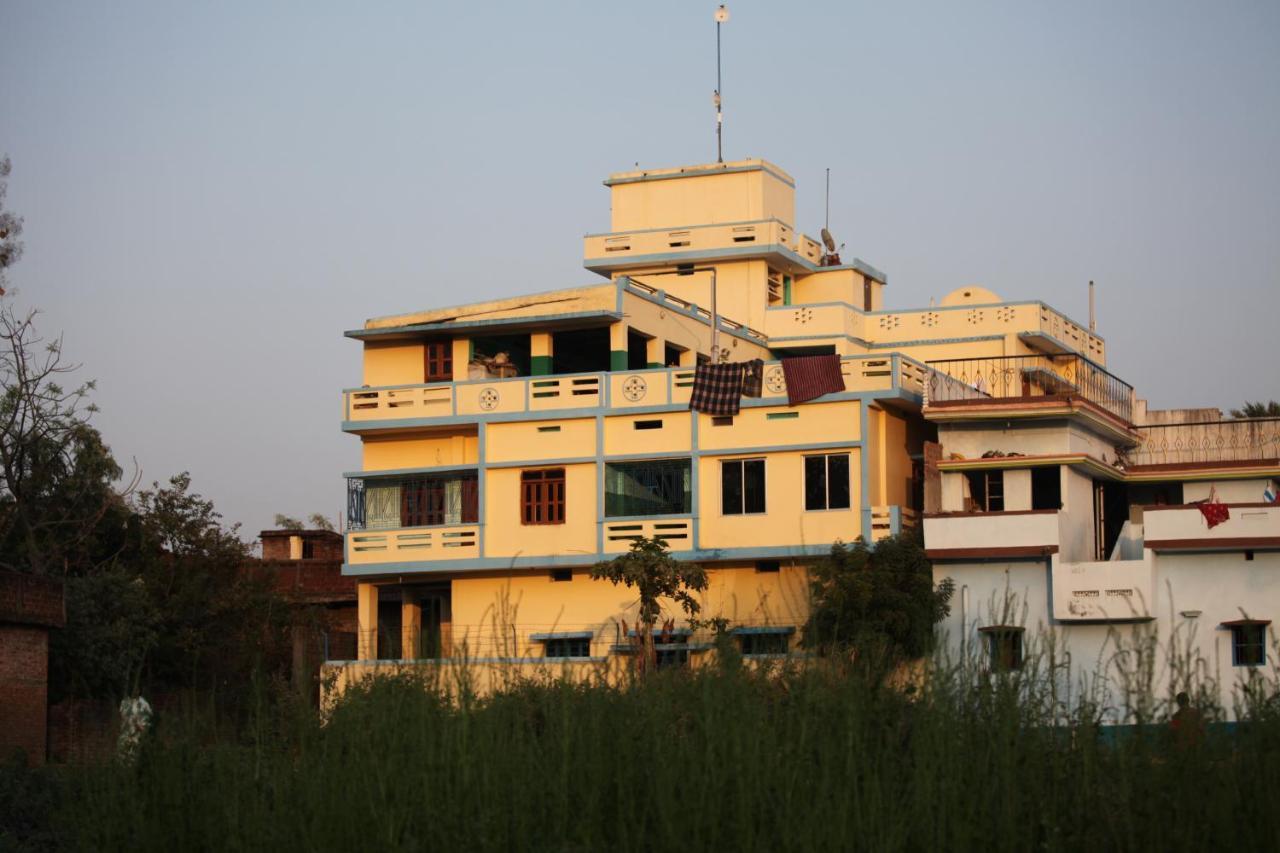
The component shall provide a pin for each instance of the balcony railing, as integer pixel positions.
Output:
(1019, 377)
(1211, 441)
(617, 390)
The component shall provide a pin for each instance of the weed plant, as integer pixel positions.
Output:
(809, 756)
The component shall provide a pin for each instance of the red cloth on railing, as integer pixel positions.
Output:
(811, 376)
(1214, 513)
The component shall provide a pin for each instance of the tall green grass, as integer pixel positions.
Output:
(806, 758)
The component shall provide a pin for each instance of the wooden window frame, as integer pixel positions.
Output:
(542, 496)
(1002, 659)
(437, 358)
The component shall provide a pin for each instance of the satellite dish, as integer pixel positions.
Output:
(722, 14)
(828, 240)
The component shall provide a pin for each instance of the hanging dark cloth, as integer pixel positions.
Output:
(717, 388)
(809, 377)
(753, 378)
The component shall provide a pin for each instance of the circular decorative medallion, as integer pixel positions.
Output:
(634, 387)
(489, 399)
(775, 381)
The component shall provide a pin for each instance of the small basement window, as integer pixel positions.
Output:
(561, 575)
(1248, 642)
(1004, 643)
(768, 566)
(657, 424)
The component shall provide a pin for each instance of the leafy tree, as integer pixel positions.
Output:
(650, 569)
(880, 604)
(216, 618)
(320, 522)
(10, 228)
(1258, 410)
(285, 522)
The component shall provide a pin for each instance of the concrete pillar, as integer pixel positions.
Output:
(446, 626)
(656, 352)
(366, 621)
(461, 358)
(410, 625)
(1017, 489)
(618, 346)
(295, 547)
(689, 358)
(540, 354)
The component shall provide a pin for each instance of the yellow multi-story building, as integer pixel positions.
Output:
(509, 445)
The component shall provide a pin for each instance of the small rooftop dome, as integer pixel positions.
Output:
(970, 295)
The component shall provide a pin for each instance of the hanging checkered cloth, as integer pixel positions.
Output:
(811, 376)
(753, 378)
(717, 389)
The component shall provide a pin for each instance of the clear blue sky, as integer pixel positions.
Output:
(214, 192)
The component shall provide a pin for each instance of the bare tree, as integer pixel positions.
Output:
(53, 465)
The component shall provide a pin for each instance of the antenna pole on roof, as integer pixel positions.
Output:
(827, 222)
(722, 15)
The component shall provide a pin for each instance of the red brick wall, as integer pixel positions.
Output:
(31, 600)
(24, 673)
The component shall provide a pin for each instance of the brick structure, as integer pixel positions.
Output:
(308, 573)
(301, 545)
(29, 606)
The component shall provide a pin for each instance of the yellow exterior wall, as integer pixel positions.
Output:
(495, 613)
(785, 521)
(509, 537)
(741, 196)
(814, 423)
(621, 436)
(385, 454)
(896, 463)
(521, 441)
(393, 363)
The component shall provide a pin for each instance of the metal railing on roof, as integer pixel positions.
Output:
(1018, 377)
(1245, 440)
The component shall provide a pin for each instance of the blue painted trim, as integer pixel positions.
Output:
(401, 472)
(694, 480)
(778, 448)
(752, 250)
(690, 227)
(692, 313)
(864, 499)
(622, 519)
(481, 510)
(562, 635)
(543, 463)
(780, 629)
(543, 320)
(697, 173)
(554, 561)
(599, 484)
(572, 414)
(462, 661)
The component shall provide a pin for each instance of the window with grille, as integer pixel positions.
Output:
(439, 500)
(661, 487)
(567, 647)
(1249, 643)
(1004, 643)
(742, 486)
(826, 481)
(764, 643)
(542, 496)
(439, 361)
(378, 504)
